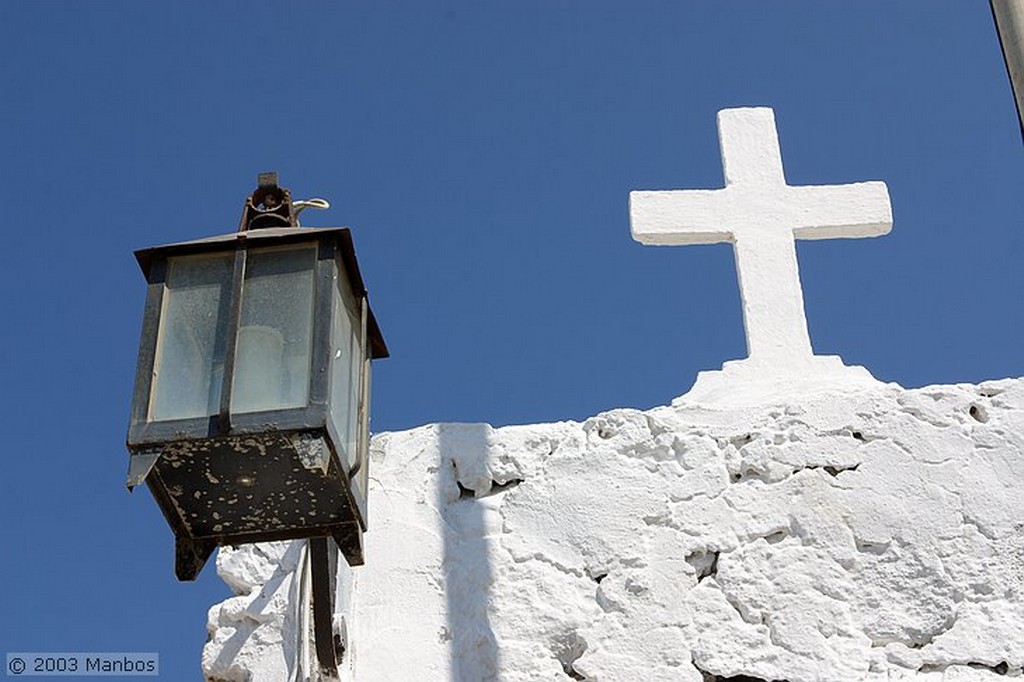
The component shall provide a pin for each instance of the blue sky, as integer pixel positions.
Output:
(483, 153)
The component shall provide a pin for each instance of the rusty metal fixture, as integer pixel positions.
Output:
(250, 416)
(268, 206)
(226, 463)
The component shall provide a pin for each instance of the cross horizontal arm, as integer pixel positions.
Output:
(840, 211)
(678, 217)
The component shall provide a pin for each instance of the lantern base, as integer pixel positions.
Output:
(247, 489)
(190, 556)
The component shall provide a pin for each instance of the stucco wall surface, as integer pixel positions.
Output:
(876, 534)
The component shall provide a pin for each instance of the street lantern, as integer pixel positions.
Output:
(250, 417)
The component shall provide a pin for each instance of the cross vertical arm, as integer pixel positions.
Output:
(750, 147)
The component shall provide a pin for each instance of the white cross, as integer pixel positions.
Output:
(762, 216)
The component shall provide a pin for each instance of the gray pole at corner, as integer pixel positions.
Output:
(1009, 18)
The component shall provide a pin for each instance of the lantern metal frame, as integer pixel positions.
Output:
(153, 443)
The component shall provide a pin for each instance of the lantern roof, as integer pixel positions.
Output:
(278, 235)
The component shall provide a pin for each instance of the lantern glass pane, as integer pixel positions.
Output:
(272, 355)
(361, 481)
(345, 367)
(189, 364)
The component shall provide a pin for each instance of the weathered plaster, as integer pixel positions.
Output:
(870, 535)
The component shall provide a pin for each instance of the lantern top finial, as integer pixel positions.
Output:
(269, 206)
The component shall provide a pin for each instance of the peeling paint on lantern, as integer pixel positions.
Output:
(312, 451)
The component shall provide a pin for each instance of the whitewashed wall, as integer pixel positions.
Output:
(873, 535)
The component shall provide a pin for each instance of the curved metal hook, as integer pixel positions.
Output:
(303, 204)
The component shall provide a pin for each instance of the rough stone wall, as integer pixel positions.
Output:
(874, 535)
